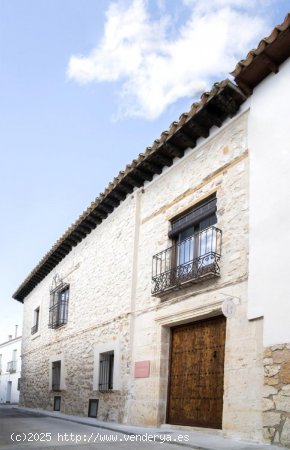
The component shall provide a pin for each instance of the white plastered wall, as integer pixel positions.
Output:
(6, 352)
(269, 148)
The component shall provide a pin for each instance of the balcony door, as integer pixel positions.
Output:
(196, 241)
(195, 251)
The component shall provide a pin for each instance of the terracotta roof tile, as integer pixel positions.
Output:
(265, 58)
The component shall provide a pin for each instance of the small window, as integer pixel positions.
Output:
(18, 384)
(58, 311)
(0, 364)
(93, 408)
(56, 403)
(34, 329)
(56, 368)
(106, 371)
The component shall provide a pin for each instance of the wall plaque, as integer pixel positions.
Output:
(142, 369)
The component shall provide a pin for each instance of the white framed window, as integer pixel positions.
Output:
(107, 367)
(57, 373)
(35, 326)
(106, 371)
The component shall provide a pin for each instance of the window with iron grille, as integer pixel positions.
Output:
(34, 329)
(106, 371)
(58, 311)
(56, 368)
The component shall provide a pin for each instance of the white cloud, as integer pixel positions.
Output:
(156, 69)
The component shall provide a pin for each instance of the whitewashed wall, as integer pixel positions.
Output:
(6, 350)
(269, 148)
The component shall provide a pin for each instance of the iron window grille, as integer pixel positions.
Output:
(58, 311)
(34, 329)
(189, 260)
(11, 366)
(106, 370)
(56, 368)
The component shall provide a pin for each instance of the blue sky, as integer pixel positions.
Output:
(85, 87)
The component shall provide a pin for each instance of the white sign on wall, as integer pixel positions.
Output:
(229, 308)
(229, 305)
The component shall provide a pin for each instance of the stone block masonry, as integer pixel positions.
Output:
(276, 395)
(109, 276)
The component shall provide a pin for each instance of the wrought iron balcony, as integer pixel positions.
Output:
(11, 366)
(188, 261)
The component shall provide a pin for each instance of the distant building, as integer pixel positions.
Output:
(168, 300)
(10, 370)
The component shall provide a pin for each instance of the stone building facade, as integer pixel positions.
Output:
(124, 317)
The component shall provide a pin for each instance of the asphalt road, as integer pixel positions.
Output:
(27, 430)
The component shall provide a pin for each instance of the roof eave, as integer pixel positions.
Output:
(214, 108)
(271, 52)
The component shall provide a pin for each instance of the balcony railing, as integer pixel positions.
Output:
(188, 261)
(11, 366)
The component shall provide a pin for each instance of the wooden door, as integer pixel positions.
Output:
(196, 374)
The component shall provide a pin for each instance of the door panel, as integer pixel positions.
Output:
(195, 395)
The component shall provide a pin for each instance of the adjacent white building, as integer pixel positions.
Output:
(10, 370)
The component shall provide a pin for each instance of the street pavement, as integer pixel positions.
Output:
(25, 429)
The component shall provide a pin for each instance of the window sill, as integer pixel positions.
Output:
(61, 389)
(35, 336)
(57, 327)
(111, 391)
